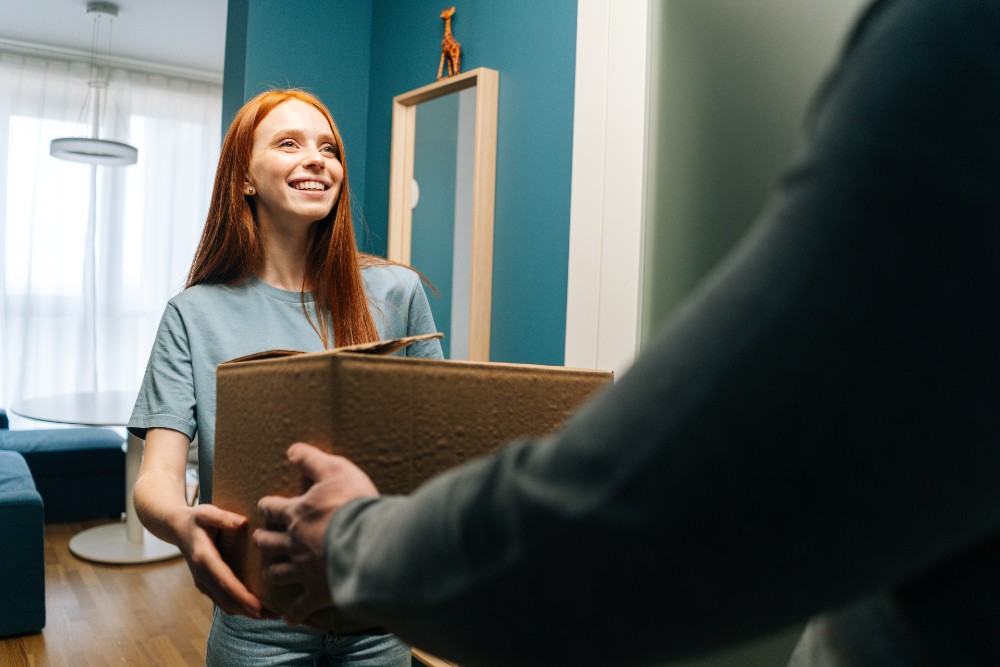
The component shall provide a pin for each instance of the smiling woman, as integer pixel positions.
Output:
(277, 268)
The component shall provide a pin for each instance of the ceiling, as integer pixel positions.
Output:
(186, 34)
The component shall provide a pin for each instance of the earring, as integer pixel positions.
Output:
(251, 190)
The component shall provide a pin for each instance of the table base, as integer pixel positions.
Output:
(110, 544)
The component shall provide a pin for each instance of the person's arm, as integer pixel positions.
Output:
(815, 424)
(161, 504)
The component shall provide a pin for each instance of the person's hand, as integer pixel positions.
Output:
(212, 575)
(293, 544)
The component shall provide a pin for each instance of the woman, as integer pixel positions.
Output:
(277, 267)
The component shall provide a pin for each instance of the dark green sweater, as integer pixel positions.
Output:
(814, 433)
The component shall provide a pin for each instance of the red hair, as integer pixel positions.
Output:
(231, 248)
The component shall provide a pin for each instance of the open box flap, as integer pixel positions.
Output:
(376, 347)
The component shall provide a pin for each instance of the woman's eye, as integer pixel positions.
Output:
(330, 149)
(287, 143)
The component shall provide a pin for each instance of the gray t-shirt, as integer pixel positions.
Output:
(206, 325)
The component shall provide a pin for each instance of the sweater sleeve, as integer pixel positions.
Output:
(815, 423)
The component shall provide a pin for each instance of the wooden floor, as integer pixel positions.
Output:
(134, 615)
(98, 614)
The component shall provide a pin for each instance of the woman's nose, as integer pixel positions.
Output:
(313, 157)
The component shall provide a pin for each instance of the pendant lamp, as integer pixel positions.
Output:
(93, 149)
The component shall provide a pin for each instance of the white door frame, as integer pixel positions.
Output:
(607, 204)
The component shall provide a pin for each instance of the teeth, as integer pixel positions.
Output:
(309, 185)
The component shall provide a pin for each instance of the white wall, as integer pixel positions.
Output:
(607, 201)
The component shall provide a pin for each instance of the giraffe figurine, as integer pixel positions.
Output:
(451, 50)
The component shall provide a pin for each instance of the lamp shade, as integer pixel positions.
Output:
(94, 151)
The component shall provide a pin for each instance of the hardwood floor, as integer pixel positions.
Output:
(125, 615)
(135, 615)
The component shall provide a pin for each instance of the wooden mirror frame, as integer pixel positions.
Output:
(404, 114)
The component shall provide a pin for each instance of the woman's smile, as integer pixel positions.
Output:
(310, 186)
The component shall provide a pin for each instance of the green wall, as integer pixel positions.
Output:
(731, 81)
(356, 55)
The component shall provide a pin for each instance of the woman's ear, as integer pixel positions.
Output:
(248, 189)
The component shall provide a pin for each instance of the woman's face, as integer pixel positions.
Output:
(294, 167)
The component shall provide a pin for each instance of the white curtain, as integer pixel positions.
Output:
(91, 254)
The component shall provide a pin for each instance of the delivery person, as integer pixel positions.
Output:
(813, 435)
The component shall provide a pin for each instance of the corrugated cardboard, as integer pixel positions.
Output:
(401, 419)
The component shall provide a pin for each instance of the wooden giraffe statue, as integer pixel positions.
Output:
(451, 50)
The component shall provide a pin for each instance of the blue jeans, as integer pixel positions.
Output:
(241, 641)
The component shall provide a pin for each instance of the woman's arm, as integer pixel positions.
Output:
(159, 493)
(161, 503)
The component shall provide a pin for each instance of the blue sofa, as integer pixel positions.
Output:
(22, 561)
(79, 472)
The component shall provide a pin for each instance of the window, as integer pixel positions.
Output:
(92, 254)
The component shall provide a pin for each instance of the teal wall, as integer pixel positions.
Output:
(533, 46)
(356, 55)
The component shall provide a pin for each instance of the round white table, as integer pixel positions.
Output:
(123, 542)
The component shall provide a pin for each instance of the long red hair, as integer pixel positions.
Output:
(232, 249)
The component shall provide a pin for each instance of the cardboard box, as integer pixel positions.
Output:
(401, 419)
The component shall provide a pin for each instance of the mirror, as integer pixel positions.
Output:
(441, 194)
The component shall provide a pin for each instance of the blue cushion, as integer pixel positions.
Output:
(62, 450)
(22, 561)
(15, 478)
(79, 472)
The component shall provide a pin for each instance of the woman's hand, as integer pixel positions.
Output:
(161, 503)
(213, 577)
